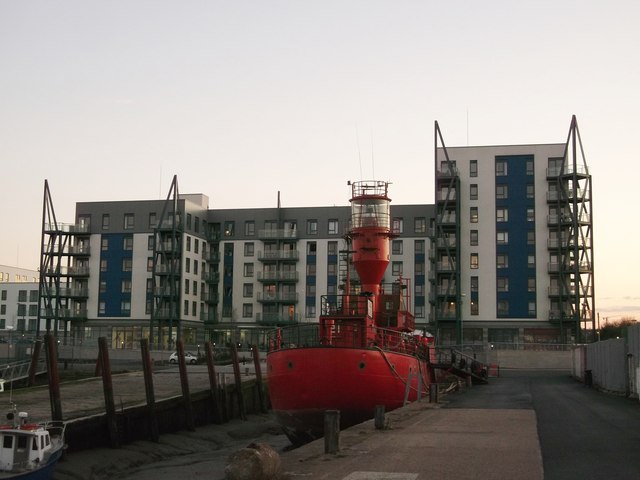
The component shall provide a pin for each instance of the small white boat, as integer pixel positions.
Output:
(29, 451)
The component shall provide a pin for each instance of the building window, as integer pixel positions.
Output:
(187, 283)
(530, 191)
(311, 269)
(474, 308)
(153, 220)
(473, 191)
(531, 238)
(473, 168)
(502, 261)
(103, 286)
(126, 286)
(311, 248)
(247, 310)
(106, 221)
(397, 225)
(529, 167)
(420, 225)
(196, 226)
(127, 264)
(419, 290)
(333, 227)
(187, 265)
(186, 307)
(248, 269)
(332, 248)
(473, 238)
(195, 266)
(151, 241)
(129, 221)
(312, 227)
(104, 244)
(311, 290)
(419, 311)
(189, 221)
(396, 247)
(127, 243)
(531, 215)
(531, 284)
(502, 238)
(503, 307)
(419, 246)
(502, 192)
(474, 284)
(101, 308)
(188, 243)
(149, 285)
(501, 168)
(125, 307)
(532, 309)
(249, 228)
(229, 229)
(502, 214)
(531, 261)
(473, 214)
(503, 284)
(149, 264)
(332, 269)
(473, 261)
(419, 268)
(247, 290)
(103, 265)
(396, 269)
(310, 311)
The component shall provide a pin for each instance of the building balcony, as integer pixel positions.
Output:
(209, 318)
(168, 225)
(72, 314)
(212, 256)
(67, 228)
(80, 250)
(448, 242)
(446, 266)
(278, 319)
(168, 247)
(446, 196)
(278, 276)
(211, 277)
(73, 271)
(279, 255)
(447, 171)
(278, 234)
(164, 269)
(166, 313)
(447, 219)
(210, 297)
(281, 297)
(213, 236)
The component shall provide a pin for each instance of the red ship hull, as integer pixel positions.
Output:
(305, 382)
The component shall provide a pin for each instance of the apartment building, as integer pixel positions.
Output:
(503, 255)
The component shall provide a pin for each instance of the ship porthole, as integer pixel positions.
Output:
(290, 364)
(362, 365)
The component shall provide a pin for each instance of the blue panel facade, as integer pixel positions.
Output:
(114, 255)
(517, 227)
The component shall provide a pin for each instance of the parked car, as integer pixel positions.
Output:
(188, 357)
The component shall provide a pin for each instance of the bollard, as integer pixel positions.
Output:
(379, 417)
(332, 431)
(469, 381)
(433, 393)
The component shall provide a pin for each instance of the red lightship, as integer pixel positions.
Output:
(363, 352)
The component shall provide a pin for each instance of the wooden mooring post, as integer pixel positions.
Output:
(379, 417)
(54, 377)
(33, 367)
(213, 383)
(238, 381)
(148, 387)
(184, 383)
(107, 386)
(259, 386)
(332, 431)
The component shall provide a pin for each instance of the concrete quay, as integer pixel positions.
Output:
(425, 441)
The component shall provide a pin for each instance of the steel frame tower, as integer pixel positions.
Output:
(571, 200)
(167, 272)
(446, 298)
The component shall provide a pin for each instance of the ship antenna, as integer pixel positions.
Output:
(373, 165)
(359, 156)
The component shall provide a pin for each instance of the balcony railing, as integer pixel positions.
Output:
(277, 234)
(211, 277)
(278, 276)
(210, 297)
(279, 255)
(277, 318)
(66, 228)
(280, 297)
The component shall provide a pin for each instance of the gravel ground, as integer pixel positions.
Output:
(194, 455)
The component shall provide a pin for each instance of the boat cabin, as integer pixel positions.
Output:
(23, 446)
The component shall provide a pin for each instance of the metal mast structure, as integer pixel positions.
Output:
(570, 197)
(446, 298)
(64, 272)
(165, 325)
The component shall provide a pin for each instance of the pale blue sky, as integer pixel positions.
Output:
(107, 100)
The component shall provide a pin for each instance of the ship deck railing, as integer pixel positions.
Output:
(345, 333)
